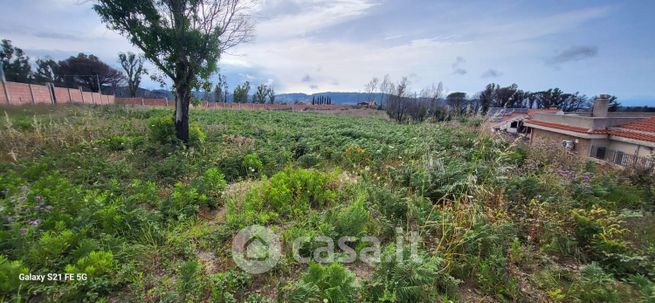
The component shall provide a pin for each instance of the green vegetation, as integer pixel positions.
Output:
(110, 193)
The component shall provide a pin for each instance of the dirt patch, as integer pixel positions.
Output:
(208, 261)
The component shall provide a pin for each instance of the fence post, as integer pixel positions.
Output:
(166, 101)
(82, 93)
(70, 97)
(51, 90)
(142, 102)
(31, 93)
(4, 82)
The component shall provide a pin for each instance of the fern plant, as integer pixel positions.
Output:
(332, 283)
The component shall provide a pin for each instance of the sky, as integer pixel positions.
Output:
(310, 46)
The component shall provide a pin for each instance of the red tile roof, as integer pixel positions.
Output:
(645, 129)
(633, 135)
(568, 127)
(531, 112)
(644, 125)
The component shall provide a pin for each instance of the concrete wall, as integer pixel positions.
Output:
(41, 94)
(540, 136)
(586, 122)
(23, 93)
(19, 93)
(62, 96)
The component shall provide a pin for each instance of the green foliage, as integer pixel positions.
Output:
(229, 285)
(410, 279)
(95, 264)
(211, 184)
(189, 282)
(331, 283)
(489, 214)
(352, 220)
(594, 286)
(287, 194)
(252, 164)
(162, 130)
(9, 272)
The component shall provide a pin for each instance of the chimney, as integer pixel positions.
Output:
(600, 106)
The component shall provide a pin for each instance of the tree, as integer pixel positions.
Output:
(456, 101)
(220, 90)
(182, 38)
(385, 89)
(15, 63)
(133, 67)
(488, 97)
(271, 95)
(431, 95)
(89, 72)
(47, 70)
(371, 87)
(240, 94)
(614, 104)
(261, 94)
(398, 102)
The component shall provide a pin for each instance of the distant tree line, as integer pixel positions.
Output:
(403, 105)
(84, 70)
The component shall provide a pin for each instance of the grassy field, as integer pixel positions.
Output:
(107, 192)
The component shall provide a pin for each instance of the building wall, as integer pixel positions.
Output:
(540, 136)
(62, 96)
(631, 149)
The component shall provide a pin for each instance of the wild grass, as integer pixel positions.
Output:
(104, 192)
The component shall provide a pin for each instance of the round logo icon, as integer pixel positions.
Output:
(256, 249)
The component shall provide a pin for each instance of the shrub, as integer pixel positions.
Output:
(352, 220)
(162, 130)
(409, 279)
(292, 192)
(594, 285)
(95, 264)
(189, 281)
(229, 285)
(331, 283)
(9, 271)
(183, 202)
(252, 164)
(211, 184)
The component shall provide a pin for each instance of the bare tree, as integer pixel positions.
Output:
(385, 86)
(398, 102)
(371, 87)
(133, 67)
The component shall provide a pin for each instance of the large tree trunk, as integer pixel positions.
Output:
(182, 101)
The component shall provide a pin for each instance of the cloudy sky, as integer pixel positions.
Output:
(338, 45)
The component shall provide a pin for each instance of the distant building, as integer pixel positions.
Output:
(367, 104)
(623, 138)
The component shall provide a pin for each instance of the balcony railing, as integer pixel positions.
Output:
(621, 158)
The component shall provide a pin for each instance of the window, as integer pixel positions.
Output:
(600, 153)
(618, 158)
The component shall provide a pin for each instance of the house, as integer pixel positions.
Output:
(511, 120)
(622, 138)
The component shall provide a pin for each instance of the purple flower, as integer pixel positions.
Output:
(38, 198)
(34, 222)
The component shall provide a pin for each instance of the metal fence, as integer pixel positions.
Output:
(621, 158)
